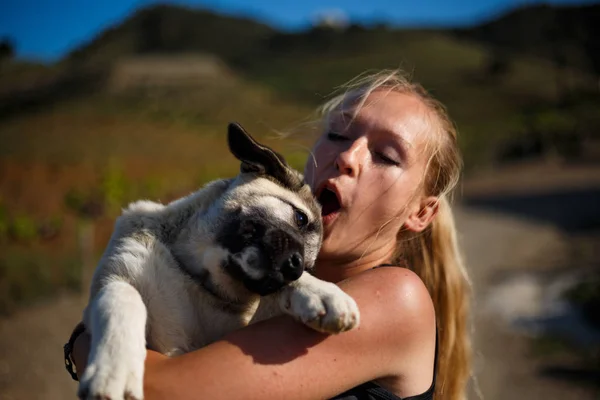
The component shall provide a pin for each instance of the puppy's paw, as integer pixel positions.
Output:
(113, 377)
(323, 306)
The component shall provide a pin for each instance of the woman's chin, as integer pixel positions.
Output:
(328, 248)
(329, 227)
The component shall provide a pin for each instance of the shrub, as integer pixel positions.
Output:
(23, 228)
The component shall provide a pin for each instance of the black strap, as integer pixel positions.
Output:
(68, 348)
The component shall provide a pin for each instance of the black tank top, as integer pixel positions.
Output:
(373, 391)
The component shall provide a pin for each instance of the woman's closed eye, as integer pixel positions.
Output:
(336, 137)
(389, 160)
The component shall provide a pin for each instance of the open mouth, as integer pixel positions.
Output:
(329, 201)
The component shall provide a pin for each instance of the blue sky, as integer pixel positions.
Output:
(47, 29)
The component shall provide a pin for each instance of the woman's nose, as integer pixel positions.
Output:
(348, 161)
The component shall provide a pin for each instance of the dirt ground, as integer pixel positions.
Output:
(494, 240)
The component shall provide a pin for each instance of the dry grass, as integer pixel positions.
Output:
(87, 157)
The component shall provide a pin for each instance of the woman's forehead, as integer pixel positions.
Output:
(395, 113)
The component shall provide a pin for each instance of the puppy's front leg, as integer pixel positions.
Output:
(116, 320)
(321, 305)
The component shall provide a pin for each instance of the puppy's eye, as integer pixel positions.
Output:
(301, 219)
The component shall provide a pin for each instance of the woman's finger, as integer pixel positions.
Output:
(81, 349)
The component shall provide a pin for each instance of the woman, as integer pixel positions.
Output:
(389, 151)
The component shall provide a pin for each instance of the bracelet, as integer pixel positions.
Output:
(68, 348)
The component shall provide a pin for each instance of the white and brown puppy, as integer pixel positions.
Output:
(177, 277)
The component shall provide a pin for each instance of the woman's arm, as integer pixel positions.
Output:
(281, 358)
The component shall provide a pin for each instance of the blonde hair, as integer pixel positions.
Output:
(432, 254)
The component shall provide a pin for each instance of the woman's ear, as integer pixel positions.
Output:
(423, 215)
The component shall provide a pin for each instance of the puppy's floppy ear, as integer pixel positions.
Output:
(254, 156)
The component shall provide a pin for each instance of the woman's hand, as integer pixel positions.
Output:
(80, 352)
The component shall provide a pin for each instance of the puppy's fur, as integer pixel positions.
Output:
(177, 277)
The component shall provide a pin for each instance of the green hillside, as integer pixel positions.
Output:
(494, 96)
(504, 103)
(488, 108)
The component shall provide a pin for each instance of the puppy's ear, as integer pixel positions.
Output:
(254, 156)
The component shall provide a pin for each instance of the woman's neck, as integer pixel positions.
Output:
(336, 269)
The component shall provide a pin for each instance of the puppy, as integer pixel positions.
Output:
(177, 277)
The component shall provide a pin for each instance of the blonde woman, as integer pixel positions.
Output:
(382, 168)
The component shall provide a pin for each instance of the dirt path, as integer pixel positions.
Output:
(31, 340)
(504, 365)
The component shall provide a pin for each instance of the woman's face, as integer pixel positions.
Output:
(367, 174)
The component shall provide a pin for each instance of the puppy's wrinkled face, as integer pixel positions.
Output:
(270, 224)
(270, 234)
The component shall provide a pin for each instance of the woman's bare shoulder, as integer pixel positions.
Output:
(401, 319)
(397, 291)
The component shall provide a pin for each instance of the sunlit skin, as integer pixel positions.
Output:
(376, 164)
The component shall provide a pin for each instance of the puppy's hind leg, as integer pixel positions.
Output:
(116, 319)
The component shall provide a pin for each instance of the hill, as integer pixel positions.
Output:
(502, 96)
(570, 33)
(170, 29)
(567, 35)
(513, 88)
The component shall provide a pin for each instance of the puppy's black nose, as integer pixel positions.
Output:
(292, 267)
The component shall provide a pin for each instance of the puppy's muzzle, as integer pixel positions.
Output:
(285, 250)
(283, 262)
